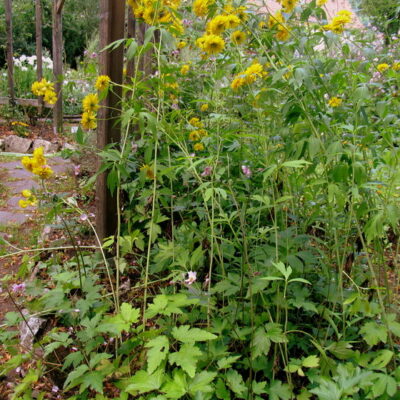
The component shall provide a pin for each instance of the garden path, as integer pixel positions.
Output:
(13, 179)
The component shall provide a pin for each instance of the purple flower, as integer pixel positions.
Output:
(175, 52)
(55, 389)
(246, 170)
(192, 276)
(83, 217)
(77, 170)
(207, 171)
(16, 288)
(187, 22)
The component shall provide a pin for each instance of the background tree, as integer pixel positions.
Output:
(384, 14)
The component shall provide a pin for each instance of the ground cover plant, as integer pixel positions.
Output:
(257, 185)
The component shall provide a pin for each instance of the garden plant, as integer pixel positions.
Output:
(258, 189)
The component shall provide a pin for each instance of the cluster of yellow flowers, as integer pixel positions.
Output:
(46, 89)
(90, 105)
(287, 5)
(278, 22)
(29, 199)
(158, 12)
(212, 42)
(37, 164)
(338, 22)
(250, 75)
(197, 134)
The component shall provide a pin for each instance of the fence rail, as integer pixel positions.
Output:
(25, 102)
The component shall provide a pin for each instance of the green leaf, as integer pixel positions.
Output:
(74, 377)
(394, 326)
(202, 383)
(374, 333)
(382, 359)
(274, 332)
(177, 387)
(311, 362)
(235, 382)
(159, 348)
(279, 390)
(261, 343)
(295, 164)
(221, 391)
(185, 334)
(143, 382)
(227, 362)
(92, 380)
(186, 358)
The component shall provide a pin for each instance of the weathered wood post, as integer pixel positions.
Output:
(58, 63)
(131, 33)
(10, 51)
(112, 22)
(39, 46)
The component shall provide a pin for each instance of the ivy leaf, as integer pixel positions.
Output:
(143, 382)
(235, 382)
(185, 334)
(202, 383)
(373, 333)
(279, 390)
(158, 352)
(186, 358)
(177, 387)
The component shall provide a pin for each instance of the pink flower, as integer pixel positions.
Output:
(192, 276)
(207, 171)
(77, 170)
(246, 170)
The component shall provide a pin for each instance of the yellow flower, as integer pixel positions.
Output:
(283, 33)
(148, 171)
(181, 44)
(396, 66)
(262, 24)
(198, 147)
(382, 67)
(238, 82)
(194, 121)
(23, 203)
(204, 107)
(43, 171)
(19, 123)
(27, 163)
(275, 19)
(150, 16)
(185, 69)
(194, 136)
(90, 103)
(320, 3)
(288, 5)
(238, 37)
(201, 7)
(26, 193)
(38, 156)
(102, 82)
(213, 44)
(232, 21)
(50, 97)
(253, 72)
(202, 133)
(88, 120)
(217, 25)
(335, 102)
(338, 22)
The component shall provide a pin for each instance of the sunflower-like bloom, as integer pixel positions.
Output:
(238, 37)
(238, 82)
(288, 5)
(194, 136)
(50, 97)
(88, 120)
(217, 25)
(201, 7)
(43, 171)
(102, 82)
(383, 67)
(338, 22)
(185, 69)
(211, 44)
(90, 103)
(320, 3)
(198, 147)
(232, 21)
(194, 121)
(204, 107)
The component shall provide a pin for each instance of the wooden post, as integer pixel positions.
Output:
(112, 22)
(10, 51)
(131, 28)
(39, 46)
(58, 63)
